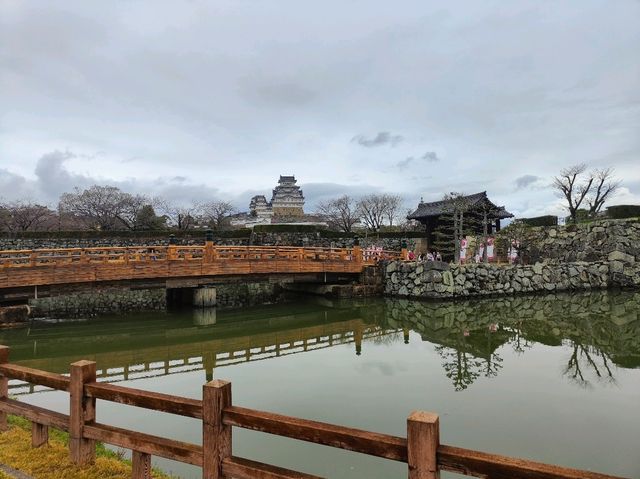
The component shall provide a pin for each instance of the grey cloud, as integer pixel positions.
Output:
(381, 139)
(404, 164)
(429, 157)
(526, 181)
(239, 90)
(52, 178)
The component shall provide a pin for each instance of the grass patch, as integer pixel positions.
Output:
(52, 461)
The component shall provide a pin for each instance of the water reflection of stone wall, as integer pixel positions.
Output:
(601, 329)
(440, 280)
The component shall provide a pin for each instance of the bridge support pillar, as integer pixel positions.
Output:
(204, 297)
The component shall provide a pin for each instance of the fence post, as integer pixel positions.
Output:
(82, 411)
(4, 386)
(141, 465)
(39, 434)
(423, 439)
(216, 437)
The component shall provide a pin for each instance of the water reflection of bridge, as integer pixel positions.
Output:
(188, 348)
(598, 330)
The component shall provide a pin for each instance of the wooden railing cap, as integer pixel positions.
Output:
(217, 383)
(423, 416)
(83, 363)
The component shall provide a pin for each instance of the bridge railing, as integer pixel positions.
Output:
(206, 253)
(420, 449)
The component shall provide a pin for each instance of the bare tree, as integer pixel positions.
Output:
(604, 185)
(26, 216)
(103, 207)
(393, 203)
(215, 212)
(179, 216)
(341, 213)
(568, 186)
(372, 210)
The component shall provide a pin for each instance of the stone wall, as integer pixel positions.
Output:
(7, 243)
(441, 280)
(236, 295)
(98, 301)
(257, 239)
(585, 242)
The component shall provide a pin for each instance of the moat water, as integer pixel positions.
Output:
(550, 378)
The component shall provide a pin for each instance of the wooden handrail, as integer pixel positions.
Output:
(146, 443)
(371, 443)
(88, 265)
(146, 399)
(421, 449)
(35, 376)
(495, 466)
(240, 468)
(35, 414)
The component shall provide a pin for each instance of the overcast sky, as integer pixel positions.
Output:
(215, 99)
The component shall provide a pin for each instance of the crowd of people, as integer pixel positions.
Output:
(428, 256)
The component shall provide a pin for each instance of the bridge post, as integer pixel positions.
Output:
(404, 254)
(423, 439)
(82, 411)
(208, 247)
(171, 249)
(357, 250)
(216, 436)
(4, 387)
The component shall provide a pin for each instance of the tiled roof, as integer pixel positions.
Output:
(437, 208)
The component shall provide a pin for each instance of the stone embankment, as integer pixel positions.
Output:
(584, 242)
(98, 301)
(599, 255)
(441, 280)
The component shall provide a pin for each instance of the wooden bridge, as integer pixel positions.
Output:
(24, 268)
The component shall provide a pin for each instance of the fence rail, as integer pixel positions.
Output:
(20, 268)
(420, 450)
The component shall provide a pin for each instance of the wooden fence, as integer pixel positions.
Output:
(75, 265)
(420, 450)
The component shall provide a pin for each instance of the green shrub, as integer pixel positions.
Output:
(623, 211)
(548, 220)
(288, 228)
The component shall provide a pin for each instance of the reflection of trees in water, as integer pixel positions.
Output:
(459, 366)
(585, 359)
(602, 330)
(463, 367)
(518, 342)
